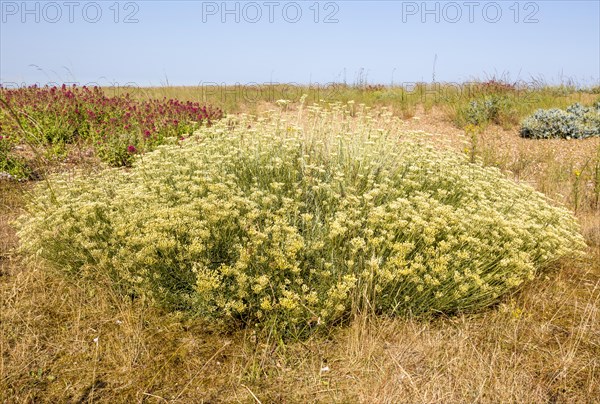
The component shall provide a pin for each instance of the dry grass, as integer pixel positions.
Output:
(64, 341)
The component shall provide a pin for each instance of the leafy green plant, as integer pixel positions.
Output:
(259, 222)
(11, 164)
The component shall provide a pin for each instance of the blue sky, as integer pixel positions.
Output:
(199, 42)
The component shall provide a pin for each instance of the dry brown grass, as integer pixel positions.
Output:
(67, 341)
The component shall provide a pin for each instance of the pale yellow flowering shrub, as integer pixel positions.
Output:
(297, 226)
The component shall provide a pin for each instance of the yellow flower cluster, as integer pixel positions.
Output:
(249, 221)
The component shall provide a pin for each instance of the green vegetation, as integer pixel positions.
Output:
(12, 164)
(511, 102)
(82, 322)
(575, 122)
(294, 228)
(116, 127)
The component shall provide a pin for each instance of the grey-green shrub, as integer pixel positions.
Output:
(297, 227)
(488, 109)
(576, 122)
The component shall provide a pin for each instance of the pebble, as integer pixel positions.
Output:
(6, 176)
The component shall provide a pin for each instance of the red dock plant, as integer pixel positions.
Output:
(118, 127)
